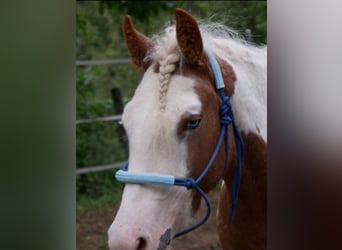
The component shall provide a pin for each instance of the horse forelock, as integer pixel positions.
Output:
(166, 57)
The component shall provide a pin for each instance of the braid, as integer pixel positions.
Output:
(167, 55)
(167, 65)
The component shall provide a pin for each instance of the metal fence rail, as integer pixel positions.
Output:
(100, 119)
(93, 169)
(102, 62)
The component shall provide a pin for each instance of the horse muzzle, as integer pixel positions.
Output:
(132, 238)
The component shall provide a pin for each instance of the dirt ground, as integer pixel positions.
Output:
(92, 228)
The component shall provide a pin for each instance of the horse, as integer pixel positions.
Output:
(201, 83)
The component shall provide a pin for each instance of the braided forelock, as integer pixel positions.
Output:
(166, 67)
(167, 57)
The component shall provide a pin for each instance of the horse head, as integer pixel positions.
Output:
(173, 124)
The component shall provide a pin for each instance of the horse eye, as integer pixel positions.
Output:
(192, 124)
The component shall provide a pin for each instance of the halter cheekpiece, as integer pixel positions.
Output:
(226, 117)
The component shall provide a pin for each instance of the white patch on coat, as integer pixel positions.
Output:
(148, 210)
(152, 134)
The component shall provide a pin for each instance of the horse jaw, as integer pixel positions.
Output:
(147, 212)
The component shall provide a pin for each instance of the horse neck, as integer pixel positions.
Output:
(249, 103)
(249, 100)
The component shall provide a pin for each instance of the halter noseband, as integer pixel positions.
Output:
(226, 117)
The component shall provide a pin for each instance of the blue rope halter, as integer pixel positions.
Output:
(226, 117)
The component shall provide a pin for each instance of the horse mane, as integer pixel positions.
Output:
(247, 59)
(214, 35)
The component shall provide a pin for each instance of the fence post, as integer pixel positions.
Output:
(249, 35)
(118, 106)
(117, 101)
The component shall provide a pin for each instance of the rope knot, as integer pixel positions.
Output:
(190, 183)
(225, 111)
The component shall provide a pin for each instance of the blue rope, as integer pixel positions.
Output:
(227, 117)
(213, 156)
(206, 217)
(237, 175)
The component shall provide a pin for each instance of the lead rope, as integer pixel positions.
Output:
(227, 117)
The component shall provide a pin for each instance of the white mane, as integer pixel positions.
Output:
(248, 61)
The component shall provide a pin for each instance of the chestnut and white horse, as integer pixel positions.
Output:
(175, 130)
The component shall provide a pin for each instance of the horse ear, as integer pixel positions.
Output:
(137, 43)
(189, 38)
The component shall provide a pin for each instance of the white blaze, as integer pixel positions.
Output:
(148, 210)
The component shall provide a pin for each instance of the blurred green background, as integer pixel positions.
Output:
(98, 36)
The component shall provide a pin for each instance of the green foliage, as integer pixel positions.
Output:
(140, 10)
(238, 15)
(99, 142)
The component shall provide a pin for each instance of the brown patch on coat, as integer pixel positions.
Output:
(249, 227)
(202, 140)
(248, 230)
(137, 43)
(228, 75)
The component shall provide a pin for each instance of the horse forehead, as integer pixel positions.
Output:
(182, 94)
(181, 97)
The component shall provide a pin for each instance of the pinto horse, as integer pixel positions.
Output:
(195, 78)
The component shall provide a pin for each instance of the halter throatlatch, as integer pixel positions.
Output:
(226, 117)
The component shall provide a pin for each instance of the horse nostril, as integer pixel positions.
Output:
(142, 243)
